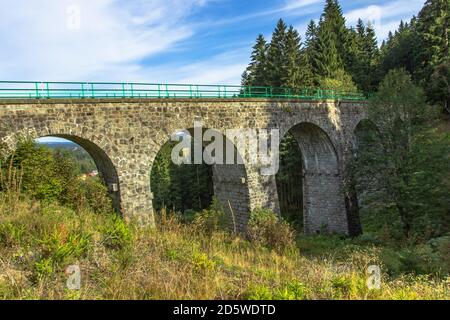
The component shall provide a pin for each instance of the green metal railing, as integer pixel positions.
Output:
(99, 90)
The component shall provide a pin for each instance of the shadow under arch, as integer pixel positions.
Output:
(229, 181)
(366, 137)
(324, 207)
(103, 163)
(366, 131)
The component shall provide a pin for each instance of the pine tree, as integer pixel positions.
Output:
(244, 79)
(333, 20)
(371, 42)
(400, 51)
(325, 57)
(256, 73)
(310, 78)
(433, 28)
(311, 34)
(361, 29)
(330, 52)
(439, 87)
(370, 62)
(276, 59)
(405, 160)
(292, 76)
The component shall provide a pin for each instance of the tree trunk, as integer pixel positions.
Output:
(406, 224)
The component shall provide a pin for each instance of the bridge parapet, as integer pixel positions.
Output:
(108, 90)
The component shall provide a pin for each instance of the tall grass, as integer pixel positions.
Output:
(10, 184)
(174, 261)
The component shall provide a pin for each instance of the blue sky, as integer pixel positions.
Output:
(176, 41)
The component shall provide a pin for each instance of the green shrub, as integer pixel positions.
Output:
(431, 258)
(116, 234)
(267, 229)
(349, 286)
(211, 219)
(91, 193)
(259, 292)
(11, 234)
(202, 262)
(43, 268)
(293, 290)
(58, 246)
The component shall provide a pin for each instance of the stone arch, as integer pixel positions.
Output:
(102, 160)
(104, 166)
(323, 199)
(363, 126)
(230, 182)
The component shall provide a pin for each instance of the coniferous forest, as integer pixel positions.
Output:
(54, 215)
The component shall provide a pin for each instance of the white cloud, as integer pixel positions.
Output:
(297, 4)
(385, 17)
(225, 68)
(44, 40)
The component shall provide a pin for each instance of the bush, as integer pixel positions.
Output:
(116, 235)
(293, 290)
(431, 258)
(188, 215)
(202, 263)
(53, 176)
(91, 193)
(211, 219)
(267, 229)
(340, 81)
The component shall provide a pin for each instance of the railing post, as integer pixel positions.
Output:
(190, 91)
(123, 90)
(224, 91)
(92, 91)
(159, 90)
(37, 90)
(82, 90)
(132, 90)
(167, 91)
(48, 90)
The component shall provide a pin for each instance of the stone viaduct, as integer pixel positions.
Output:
(123, 136)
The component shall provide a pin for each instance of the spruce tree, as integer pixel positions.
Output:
(244, 79)
(256, 73)
(401, 51)
(326, 60)
(331, 53)
(333, 20)
(292, 76)
(370, 62)
(311, 34)
(361, 29)
(311, 78)
(433, 28)
(276, 59)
